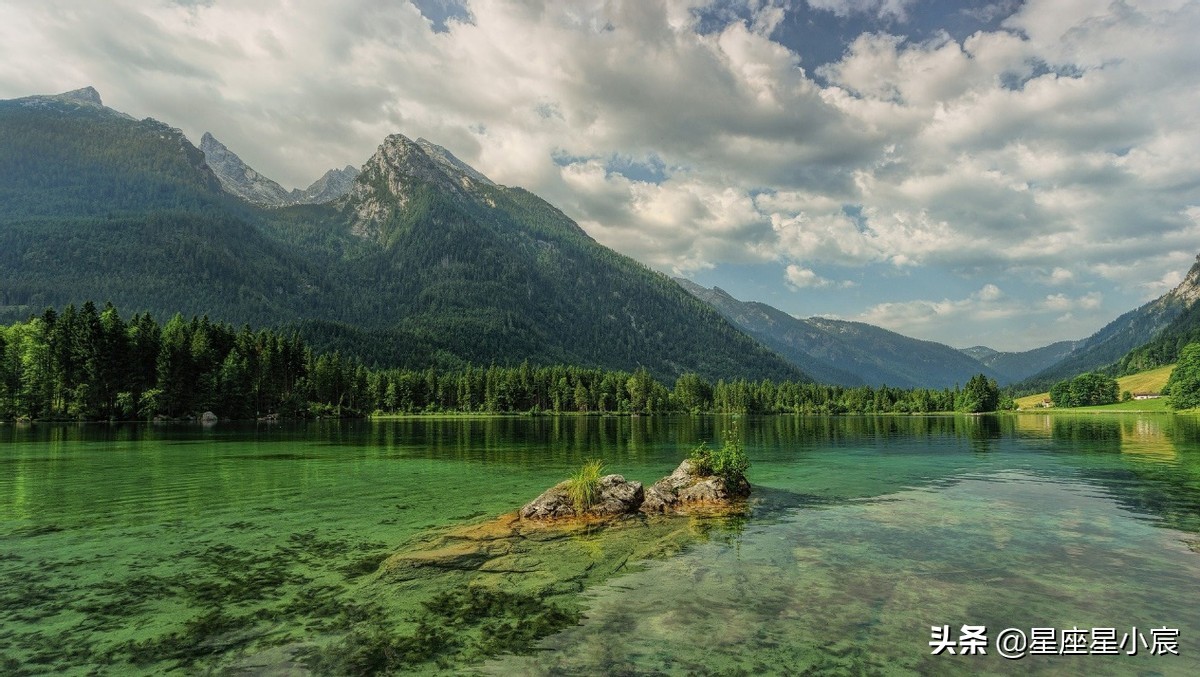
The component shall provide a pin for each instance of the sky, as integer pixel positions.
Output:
(1001, 173)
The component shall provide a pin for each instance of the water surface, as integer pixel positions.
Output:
(259, 547)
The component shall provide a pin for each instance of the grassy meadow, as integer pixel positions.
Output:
(1150, 381)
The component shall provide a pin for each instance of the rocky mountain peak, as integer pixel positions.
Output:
(388, 179)
(1188, 291)
(83, 98)
(332, 185)
(209, 144)
(87, 95)
(240, 179)
(452, 165)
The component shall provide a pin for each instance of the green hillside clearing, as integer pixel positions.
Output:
(1151, 381)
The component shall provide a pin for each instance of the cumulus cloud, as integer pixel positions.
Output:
(1060, 276)
(1063, 303)
(1059, 147)
(990, 314)
(802, 278)
(917, 317)
(894, 9)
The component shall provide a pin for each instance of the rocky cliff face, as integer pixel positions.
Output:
(87, 95)
(239, 178)
(243, 181)
(86, 98)
(1187, 292)
(400, 167)
(334, 184)
(466, 174)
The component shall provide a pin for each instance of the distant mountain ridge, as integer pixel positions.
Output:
(1132, 330)
(1014, 366)
(846, 353)
(1166, 345)
(241, 180)
(422, 262)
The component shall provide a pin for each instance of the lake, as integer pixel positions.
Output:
(289, 548)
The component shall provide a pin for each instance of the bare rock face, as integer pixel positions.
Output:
(684, 487)
(617, 496)
(334, 184)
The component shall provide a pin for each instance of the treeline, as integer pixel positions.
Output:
(1085, 390)
(91, 364)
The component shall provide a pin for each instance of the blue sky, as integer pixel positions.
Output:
(1000, 173)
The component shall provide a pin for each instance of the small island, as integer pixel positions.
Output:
(707, 478)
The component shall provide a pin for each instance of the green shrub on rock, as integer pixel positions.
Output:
(729, 462)
(584, 484)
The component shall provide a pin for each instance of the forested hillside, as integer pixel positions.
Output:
(1146, 337)
(1014, 366)
(846, 353)
(1168, 345)
(94, 364)
(423, 263)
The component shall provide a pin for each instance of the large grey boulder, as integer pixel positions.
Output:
(617, 496)
(685, 487)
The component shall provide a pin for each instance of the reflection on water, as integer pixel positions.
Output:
(274, 548)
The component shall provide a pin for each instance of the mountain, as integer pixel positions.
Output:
(332, 185)
(97, 205)
(485, 272)
(241, 180)
(238, 178)
(1165, 347)
(846, 353)
(777, 330)
(979, 352)
(1016, 366)
(1121, 339)
(422, 262)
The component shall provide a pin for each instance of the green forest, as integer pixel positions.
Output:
(91, 363)
(96, 205)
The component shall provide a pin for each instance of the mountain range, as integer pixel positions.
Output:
(241, 180)
(846, 353)
(423, 261)
(418, 259)
(1162, 326)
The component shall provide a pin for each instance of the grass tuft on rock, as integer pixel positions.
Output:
(729, 462)
(583, 487)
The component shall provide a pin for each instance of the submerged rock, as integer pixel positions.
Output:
(685, 487)
(617, 496)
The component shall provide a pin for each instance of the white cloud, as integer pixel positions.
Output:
(1070, 136)
(920, 316)
(894, 9)
(990, 292)
(990, 316)
(1061, 302)
(1060, 276)
(802, 278)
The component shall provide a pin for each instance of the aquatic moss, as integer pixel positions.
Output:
(211, 633)
(450, 628)
(363, 566)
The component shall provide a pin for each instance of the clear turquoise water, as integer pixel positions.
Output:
(264, 549)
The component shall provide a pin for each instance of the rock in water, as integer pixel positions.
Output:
(684, 486)
(617, 496)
